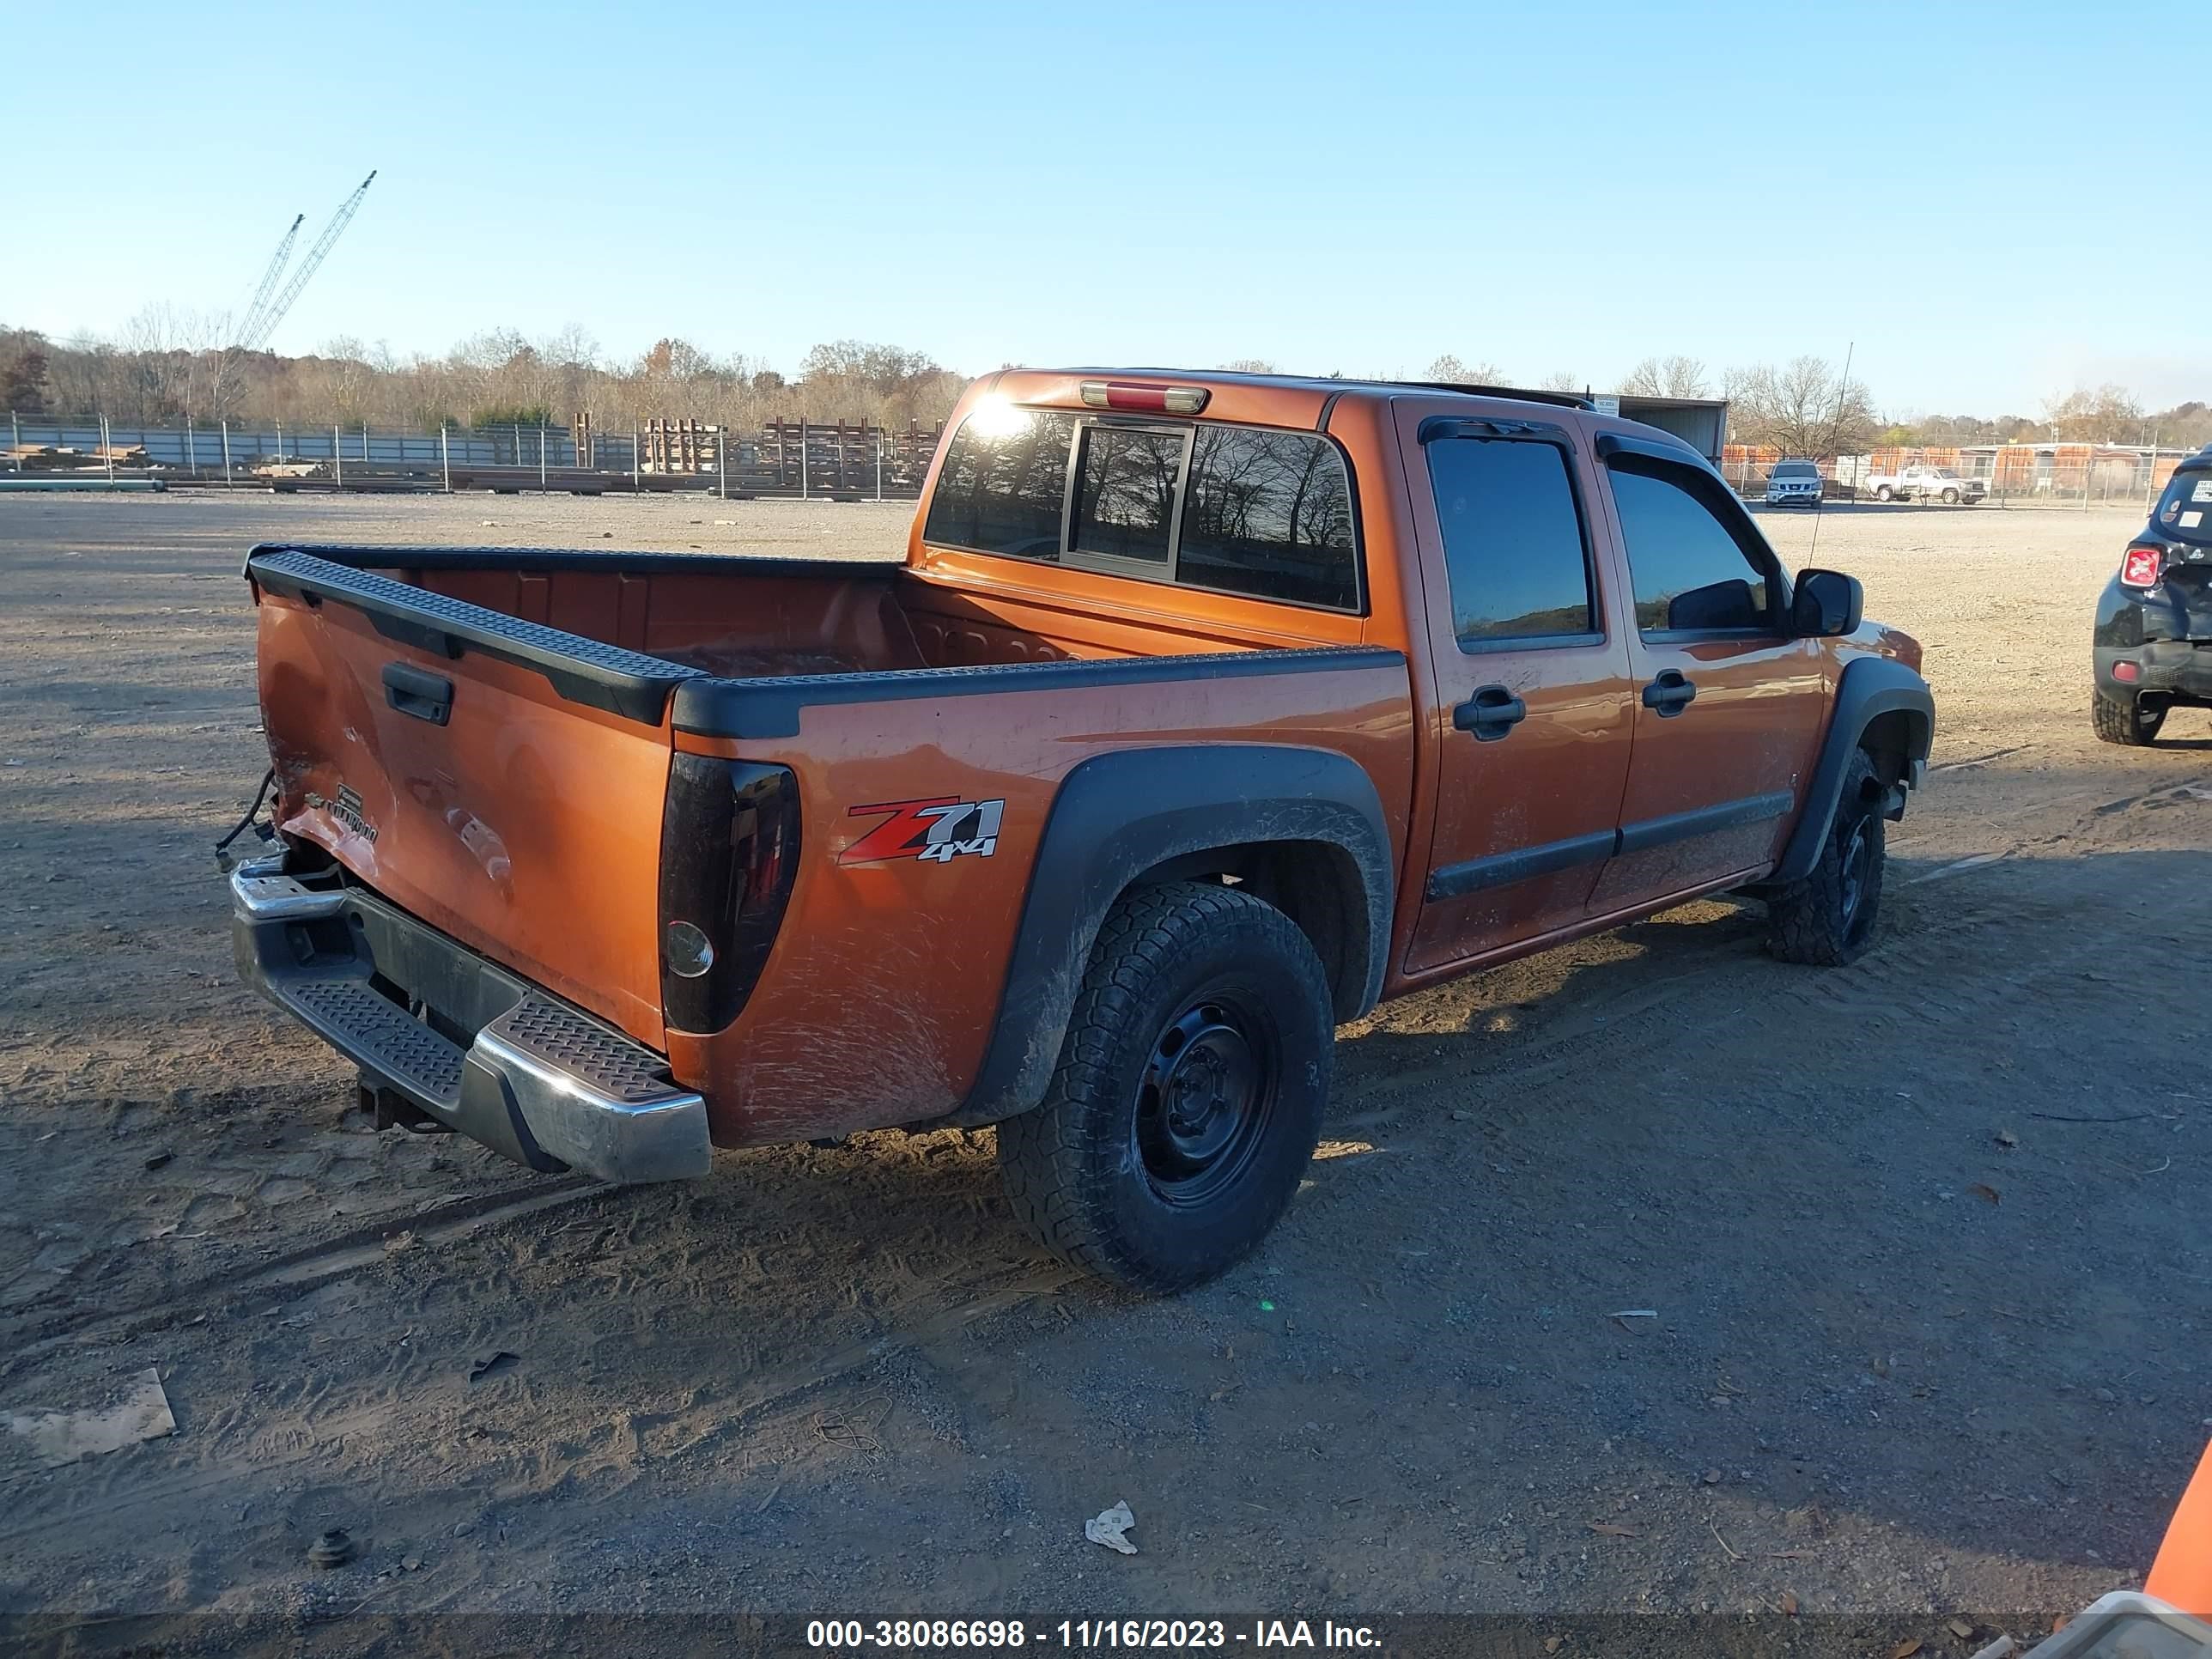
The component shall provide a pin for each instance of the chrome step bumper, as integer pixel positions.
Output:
(540, 1081)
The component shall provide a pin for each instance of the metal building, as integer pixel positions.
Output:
(1700, 422)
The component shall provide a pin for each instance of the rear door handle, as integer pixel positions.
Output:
(1490, 714)
(411, 691)
(1670, 694)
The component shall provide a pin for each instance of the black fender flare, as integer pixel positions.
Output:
(1869, 688)
(1119, 815)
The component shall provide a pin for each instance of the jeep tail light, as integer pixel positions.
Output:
(2126, 671)
(2141, 566)
(729, 850)
(1146, 396)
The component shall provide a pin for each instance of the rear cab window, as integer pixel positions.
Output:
(2184, 511)
(1003, 487)
(1253, 511)
(1126, 486)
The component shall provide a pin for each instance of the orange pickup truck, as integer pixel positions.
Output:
(1206, 711)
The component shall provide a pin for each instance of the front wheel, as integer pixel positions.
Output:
(1951, 498)
(1188, 1096)
(2134, 723)
(1827, 919)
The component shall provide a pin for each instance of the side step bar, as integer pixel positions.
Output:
(540, 1082)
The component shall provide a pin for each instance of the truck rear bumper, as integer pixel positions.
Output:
(505, 1063)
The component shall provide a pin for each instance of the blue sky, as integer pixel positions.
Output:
(1986, 199)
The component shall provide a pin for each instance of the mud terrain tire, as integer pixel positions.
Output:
(1188, 1096)
(2128, 722)
(1827, 919)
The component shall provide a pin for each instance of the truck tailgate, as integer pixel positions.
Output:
(502, 780)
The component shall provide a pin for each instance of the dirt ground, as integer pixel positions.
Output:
(1921, 1239)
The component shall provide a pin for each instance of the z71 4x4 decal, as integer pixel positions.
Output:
(939, 829)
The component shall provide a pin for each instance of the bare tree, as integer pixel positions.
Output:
(1804, 408)
(1250, 366)
(1561, 380)
(2109, 415)
(1450, 369)
(1666, 377)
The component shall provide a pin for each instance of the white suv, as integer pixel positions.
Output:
(1793, 483)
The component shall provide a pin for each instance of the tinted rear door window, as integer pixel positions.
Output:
(1691, 573)
(1269, 513)
(1514, 546)
(1003, 487)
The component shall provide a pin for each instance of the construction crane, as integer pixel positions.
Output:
(261, 320)
(251, 317)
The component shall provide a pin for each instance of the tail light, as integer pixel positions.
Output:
(2141, 567)
(729, 850)
(1146, 396)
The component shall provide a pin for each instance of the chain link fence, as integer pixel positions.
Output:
(843, 459)
(2006, 475)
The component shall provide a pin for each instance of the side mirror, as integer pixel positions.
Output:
(1828, 603)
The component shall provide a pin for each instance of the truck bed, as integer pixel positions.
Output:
(497, 741)
(745, 616)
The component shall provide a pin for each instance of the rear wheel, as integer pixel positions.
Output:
(1827, 919)
(2134, 722)
(1188, 1096)
(1884, 493)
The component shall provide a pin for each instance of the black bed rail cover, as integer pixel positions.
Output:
(588, 672)
(373, 556)
(712, 707)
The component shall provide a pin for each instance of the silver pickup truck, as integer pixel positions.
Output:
(1925, 483)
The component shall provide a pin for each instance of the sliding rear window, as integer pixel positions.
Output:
(1125, 494)
(1241, 510)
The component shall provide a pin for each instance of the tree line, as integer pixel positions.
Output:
(158, 371)
(161, 369)
(1805, 408)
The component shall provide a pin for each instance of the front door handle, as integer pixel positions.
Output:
(1670, 694)
(1490, 714)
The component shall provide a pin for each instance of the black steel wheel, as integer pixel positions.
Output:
(1189, 1096)
(1206, 1097)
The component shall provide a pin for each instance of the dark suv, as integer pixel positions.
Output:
(2154, 639)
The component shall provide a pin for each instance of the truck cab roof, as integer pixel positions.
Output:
(1334, 384)
(1232, 395)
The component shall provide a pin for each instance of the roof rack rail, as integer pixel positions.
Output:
(1564, 399)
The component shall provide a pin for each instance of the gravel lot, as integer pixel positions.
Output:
(1923, 1238)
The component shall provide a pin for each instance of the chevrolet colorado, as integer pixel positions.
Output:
(1206, 711)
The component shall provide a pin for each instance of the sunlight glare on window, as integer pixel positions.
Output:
(995, 417)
